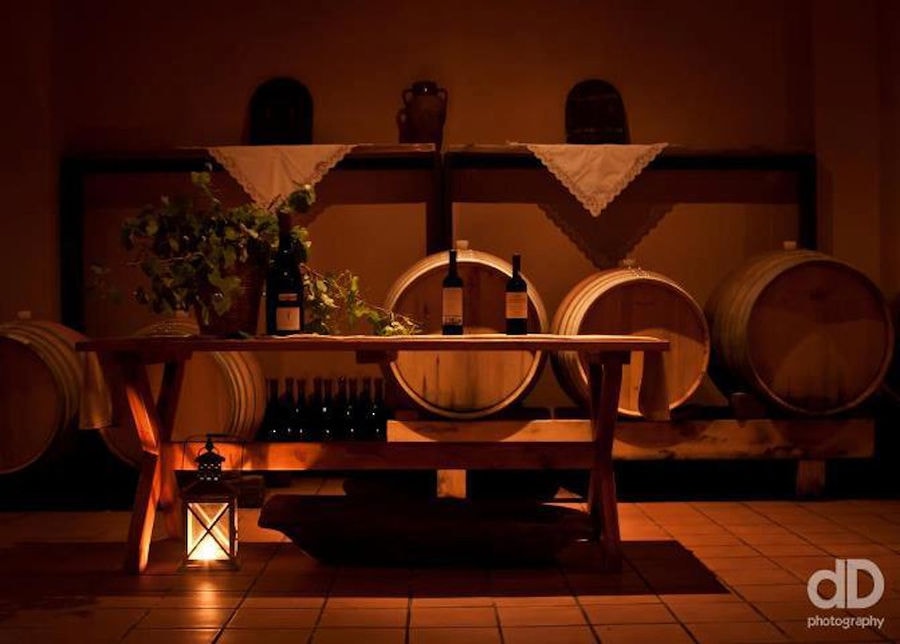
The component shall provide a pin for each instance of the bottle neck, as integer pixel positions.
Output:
(516, 265)
(452, 268)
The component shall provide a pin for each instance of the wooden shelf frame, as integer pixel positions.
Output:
(512, 174)
(408, 173)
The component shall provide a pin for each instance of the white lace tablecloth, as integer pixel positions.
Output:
(595, 174)
(271, 172)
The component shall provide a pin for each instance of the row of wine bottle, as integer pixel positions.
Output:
(352, 413)
(516, 304)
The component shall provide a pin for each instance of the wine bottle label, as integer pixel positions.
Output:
(516, 305)
(452, 306)
(287, 318)
(288, 297)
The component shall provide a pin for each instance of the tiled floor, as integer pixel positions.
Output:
(695, 572)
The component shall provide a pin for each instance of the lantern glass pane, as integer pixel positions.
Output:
(208, 531)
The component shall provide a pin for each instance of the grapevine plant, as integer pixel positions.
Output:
(193, 247)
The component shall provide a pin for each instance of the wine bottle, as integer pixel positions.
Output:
(327, 429)
(350, 423)
(452, 300)
(377, 413)
(270, 428)
(362, 410)
(300, 417)
(314, 408)
(516, 300)
(284, 286)
(287, 403)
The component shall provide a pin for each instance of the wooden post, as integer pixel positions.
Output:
(451, 484)
(810, 478)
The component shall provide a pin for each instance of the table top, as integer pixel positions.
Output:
(483, 342)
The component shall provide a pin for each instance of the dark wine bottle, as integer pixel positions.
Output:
(452, 300)
(516, 300)
(284, 285)
(362, 411)
(270, 428)
(287, 403)
(327, 427)
(300, 415)
(313, 409)
(377, 412)
(350, 423)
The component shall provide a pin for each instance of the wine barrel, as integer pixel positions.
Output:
(222, 393)
(634, 301)
(802, 330)
(41, 391)
(463, 384)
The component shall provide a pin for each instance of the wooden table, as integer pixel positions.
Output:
(124, 363)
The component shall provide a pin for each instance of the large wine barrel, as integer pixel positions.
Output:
(41, 391)
(464, 384)
(634, 301)
(222, 393)
(802, 330)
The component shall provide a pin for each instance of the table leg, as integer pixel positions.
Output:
(167, 404)
(127, 377)
(604, 381)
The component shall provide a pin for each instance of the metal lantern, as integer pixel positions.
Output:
(211, 516)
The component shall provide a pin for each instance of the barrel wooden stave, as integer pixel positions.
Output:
(222, 393)
(41, 388)
(463, 384)
(805, 332)
(634, 301)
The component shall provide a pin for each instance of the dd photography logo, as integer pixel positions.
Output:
(846, 581)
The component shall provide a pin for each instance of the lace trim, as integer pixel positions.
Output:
(320, 169)
(595, 203)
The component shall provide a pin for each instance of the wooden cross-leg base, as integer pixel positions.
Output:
(152, 424)
(604, 381)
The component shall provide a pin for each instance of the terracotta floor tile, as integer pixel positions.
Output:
(614, 600)
(720, 612)
(55, 636)
(359, 636)
(775, 550)
(432, 602)
(799, 632)
(186, 618)
(287, 618)
(444, 616)
(549, 634)
(643, 633)
(282, 601)
(748, 576)
(718, 633)
(547, 600)
(788, 611)
(739, 563)
(724, 539)
(363, 617)
(540, 616)
(779, 592)
(100, 620)
(454, 635)
(171, 636)
(803, 567)
(261, 636)
(628, 614)
(738, 551)
(202, 599)
(368, 602)
(704, 598)
(824, 539)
